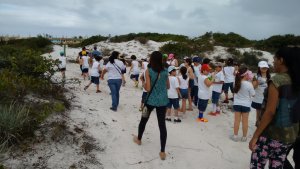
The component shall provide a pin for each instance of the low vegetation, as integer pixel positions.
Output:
(27, 93)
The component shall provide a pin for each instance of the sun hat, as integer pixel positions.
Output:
(171, 56)
(171, 68)
(205, 67)
(262, 64)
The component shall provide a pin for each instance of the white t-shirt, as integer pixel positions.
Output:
(259, 91)
(184, 84)
(229, 74)
(114, 71)
(135, 67)
(101, 64)
(174, 84)
(197, 73)
(95, 69)
(172, 62)
(63, 62)
(85, 63)
(218, 78)
(244, 95)
(203, 91)
(144, 74)
(145, 64)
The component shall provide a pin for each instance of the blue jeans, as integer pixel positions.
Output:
(114, 86)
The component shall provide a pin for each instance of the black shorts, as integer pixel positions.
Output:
(256, 105)
(136, 77)
(85, 70)
(62, 69)
(95, 79)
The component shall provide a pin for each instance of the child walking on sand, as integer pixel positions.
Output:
(260, 83)
(203, 92)
(217, 89)
(62, 64)
(134, 70)
(95, 74)
(85, 66)
(183, 87)
(173, 95)
(244, 91)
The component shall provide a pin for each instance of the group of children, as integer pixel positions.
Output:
(198, 83)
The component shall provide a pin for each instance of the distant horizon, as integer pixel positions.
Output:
(87, 36)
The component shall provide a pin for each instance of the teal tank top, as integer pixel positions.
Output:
(159, 95)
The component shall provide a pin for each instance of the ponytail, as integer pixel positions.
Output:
(238, 79)
(183, 71)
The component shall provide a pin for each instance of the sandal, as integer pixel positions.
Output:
(85, 87)
(98, 91)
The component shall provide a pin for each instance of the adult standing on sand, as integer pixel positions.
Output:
(279, 125)
(114, 70)
(157, 83)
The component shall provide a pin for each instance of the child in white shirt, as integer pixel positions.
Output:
(244, 91)
(183, 87)
(203, 92)
(173, 95)
(217, 89)
(95, 74)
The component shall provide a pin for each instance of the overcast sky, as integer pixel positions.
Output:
(254, 19)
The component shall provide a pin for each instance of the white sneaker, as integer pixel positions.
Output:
(244, 139)
(234, 138)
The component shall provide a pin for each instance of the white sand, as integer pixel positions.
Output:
(190, 144)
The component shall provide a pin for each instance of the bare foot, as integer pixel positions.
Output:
(162, 155)
(136, 140)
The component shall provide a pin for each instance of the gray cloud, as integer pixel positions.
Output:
(253, 19)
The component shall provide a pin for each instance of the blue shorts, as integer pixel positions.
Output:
(144, 97)
(191, 83)
(256, 105)
(184, 93)
(95, 80)
(242, 109)
(215, 97)
(136, 77)
(226, 87)
(174, 103)
(85, 70)
(202, 104)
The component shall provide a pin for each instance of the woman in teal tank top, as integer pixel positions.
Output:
(279, 125)
(158, 99)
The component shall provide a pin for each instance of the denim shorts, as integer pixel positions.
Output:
(242, 109)
(202, 104)
(226, 87)
(144, 97)
(95, 80)
(136, 77)
(215, 97)
(256, 105)
(184, 93)
(174, 103)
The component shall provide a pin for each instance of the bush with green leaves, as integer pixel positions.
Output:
(14, 122)
(24, 73)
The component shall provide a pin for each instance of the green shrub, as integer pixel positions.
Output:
(14, 122)
(142, 40)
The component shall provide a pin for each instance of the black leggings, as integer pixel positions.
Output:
(161, 115)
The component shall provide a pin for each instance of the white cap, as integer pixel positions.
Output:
(263, 64)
